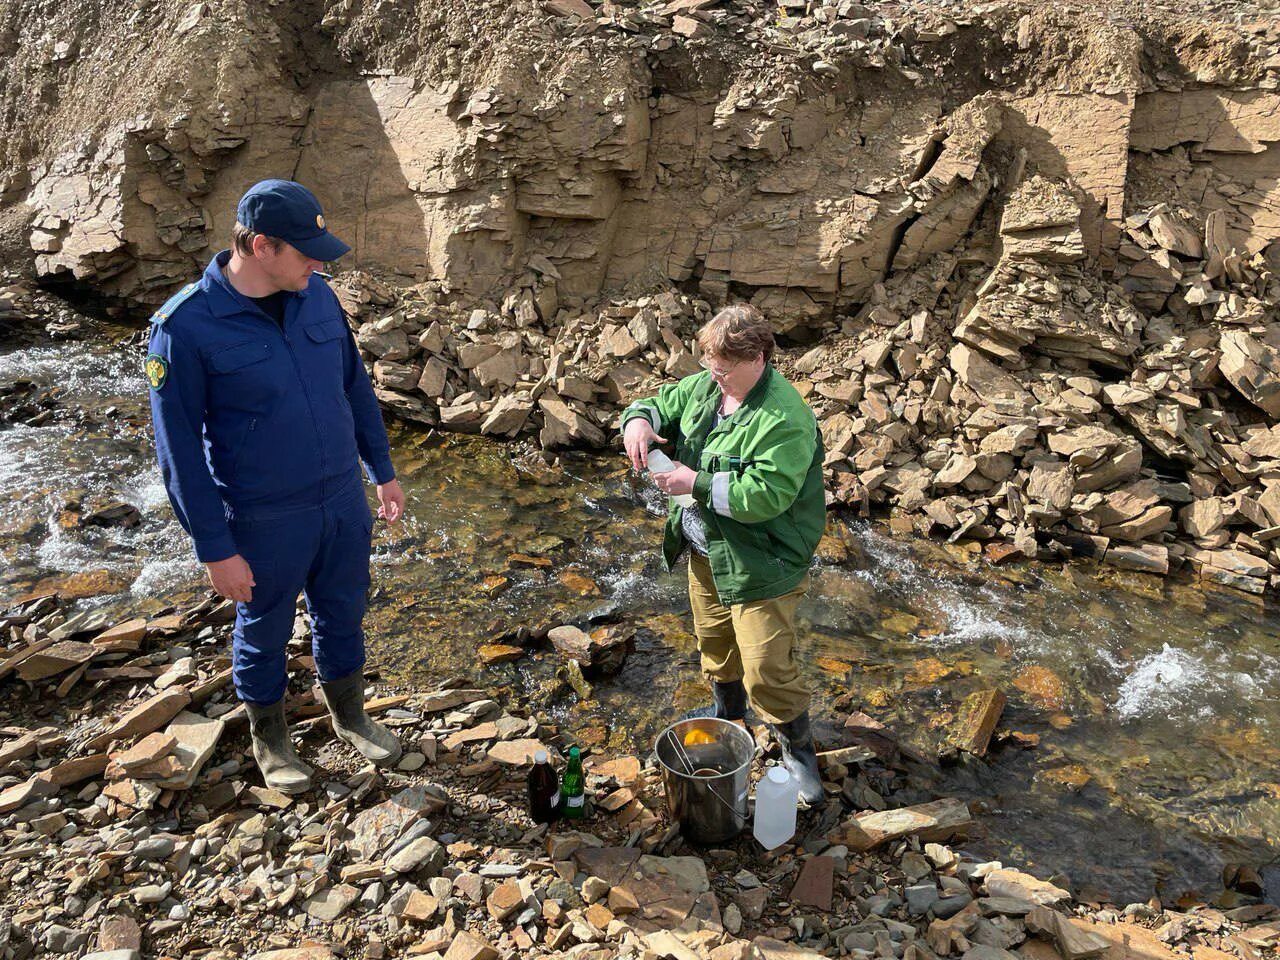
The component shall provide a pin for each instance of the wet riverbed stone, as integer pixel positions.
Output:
(495, 653)
(116, 513)
(603, 650)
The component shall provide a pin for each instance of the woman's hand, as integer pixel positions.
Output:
(676, 483)
(636, 439)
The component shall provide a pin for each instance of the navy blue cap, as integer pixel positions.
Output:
(289, 212)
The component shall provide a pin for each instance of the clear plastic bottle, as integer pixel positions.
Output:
(659, 462)
(777, 796)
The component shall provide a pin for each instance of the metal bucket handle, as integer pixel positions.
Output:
(683, 756)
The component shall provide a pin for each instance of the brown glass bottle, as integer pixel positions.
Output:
(544, 790)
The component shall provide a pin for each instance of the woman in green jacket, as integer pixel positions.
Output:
(747, 448)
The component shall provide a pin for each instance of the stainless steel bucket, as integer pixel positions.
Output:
(707, 795)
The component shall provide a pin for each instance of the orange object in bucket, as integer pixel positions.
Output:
(698, 738)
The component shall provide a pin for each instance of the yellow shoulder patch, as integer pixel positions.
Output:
(156, 368)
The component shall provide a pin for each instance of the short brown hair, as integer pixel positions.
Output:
(738, 332)
(242, 240)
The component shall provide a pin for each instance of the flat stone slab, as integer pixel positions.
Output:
(447, 699)
(1128, 941)
(610, 864)
(124, 634)
(197, 736)
(766, 948)
(20, 794)
(332, 902)
(1074, 943)
(376, 828)
(120, 933)
(814, 885)
(314, 952)
(516, 753)
(483, 731)
(148, 716)
(687, 873)
(1022, 886)
(624, 769)
(467, 946)
(977, 720)
(56, 659)
(148, 750)
(422, 854)
(936, 821)
(668, 890)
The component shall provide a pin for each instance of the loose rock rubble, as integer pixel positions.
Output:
(1054, 418)
(26, 310)
(132, 822)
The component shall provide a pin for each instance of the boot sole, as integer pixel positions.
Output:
(291, 791)
(295, 790)
(389, 761)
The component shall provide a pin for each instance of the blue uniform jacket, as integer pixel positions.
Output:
(248, 414)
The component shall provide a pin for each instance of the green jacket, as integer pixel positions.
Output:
(759, 483)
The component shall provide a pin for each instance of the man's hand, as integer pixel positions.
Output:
(636, 439)
(232, 578)
(677, 482)
(391, 501)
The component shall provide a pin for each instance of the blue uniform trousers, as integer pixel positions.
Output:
(321, 550)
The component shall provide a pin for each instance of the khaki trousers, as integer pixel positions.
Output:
(752, 642)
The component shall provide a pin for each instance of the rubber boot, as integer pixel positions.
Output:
(273, 750)
(728, 702)
(799, 756)
(345, 700)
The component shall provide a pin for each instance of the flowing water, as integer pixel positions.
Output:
(1155, 704)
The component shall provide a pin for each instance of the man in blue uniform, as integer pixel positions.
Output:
(263, 412)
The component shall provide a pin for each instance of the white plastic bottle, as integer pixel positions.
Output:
(777, 796)
(659, 462)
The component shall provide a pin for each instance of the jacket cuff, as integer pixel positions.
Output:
(702, 487)
(380, 472)
(635, 413)
(215, 548)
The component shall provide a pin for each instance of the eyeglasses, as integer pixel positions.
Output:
(717, 373)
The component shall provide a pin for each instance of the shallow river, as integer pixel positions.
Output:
(1155, 705)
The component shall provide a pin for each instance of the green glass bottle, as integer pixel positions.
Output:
(573, 794)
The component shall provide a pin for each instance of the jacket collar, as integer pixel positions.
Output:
(752, 402)
(755, 398)
(224, 299)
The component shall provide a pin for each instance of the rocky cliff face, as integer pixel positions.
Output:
(1026, 256)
